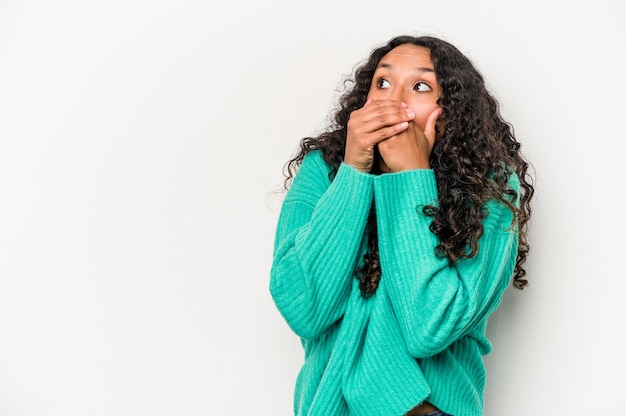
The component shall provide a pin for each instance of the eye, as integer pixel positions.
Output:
(422, 87)
(382, 83)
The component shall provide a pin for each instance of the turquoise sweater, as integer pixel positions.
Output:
(421, 336)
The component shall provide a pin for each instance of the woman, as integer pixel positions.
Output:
(400, 232)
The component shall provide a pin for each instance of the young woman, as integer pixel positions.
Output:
(403, 225)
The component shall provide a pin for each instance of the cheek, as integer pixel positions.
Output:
(373, 94)
(421, 116)
(420, 120)
(422, 112)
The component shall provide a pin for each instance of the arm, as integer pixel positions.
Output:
(437, 303)
(318, 238)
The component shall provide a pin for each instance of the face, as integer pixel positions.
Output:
(407, 74)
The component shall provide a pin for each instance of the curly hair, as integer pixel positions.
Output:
(473, 159)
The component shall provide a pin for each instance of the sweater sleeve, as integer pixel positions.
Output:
(437, 303)
(318, 240)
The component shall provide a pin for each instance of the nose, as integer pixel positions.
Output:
(397, 93)
(394, 93)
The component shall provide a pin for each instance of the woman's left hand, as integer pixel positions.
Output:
(411, 148)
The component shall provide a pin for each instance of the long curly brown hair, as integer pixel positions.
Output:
(473, 158)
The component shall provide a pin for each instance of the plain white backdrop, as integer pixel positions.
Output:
(141, 146)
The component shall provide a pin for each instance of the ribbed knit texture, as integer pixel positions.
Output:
(421, 336)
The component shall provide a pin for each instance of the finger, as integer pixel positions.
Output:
(373, 108)
(386, 113)
(387, 132)
(383, 105)
(429, 128)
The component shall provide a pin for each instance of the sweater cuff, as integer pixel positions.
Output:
(343, 209)
(418, 187)
(353, 185)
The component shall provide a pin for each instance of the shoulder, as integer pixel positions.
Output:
(311, 178)
(501, 216)
(513, 182)
(316, 158)
(313, 167)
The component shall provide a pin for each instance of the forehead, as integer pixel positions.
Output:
(409, 55)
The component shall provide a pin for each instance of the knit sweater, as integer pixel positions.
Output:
(421, 336)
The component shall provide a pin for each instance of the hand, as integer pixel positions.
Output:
(411, 148)
(368, 126)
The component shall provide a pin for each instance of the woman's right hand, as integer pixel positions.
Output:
(376, 121)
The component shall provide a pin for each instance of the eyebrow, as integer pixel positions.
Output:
(420, 69)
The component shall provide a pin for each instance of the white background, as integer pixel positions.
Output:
(141, 146)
